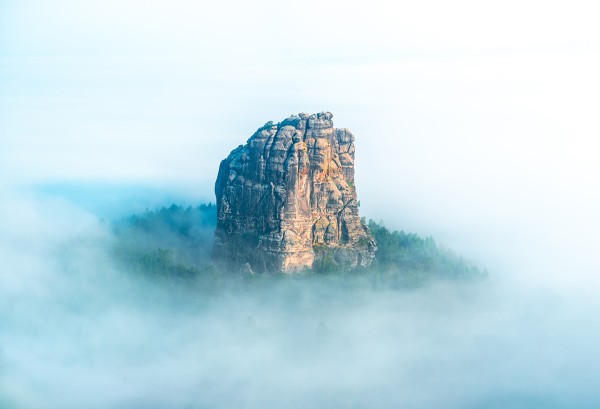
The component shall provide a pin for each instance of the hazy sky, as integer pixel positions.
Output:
(475, 122)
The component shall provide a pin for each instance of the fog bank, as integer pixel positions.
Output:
(76, 331)
(475, 123)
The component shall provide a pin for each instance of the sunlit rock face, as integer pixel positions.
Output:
(288, 192)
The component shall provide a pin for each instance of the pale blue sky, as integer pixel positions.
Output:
(476, 123)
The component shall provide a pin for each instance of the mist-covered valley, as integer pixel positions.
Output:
(477, 134)
(81, 329)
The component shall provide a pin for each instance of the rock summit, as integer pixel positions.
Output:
(287, 198)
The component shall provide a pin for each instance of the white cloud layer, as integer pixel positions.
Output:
(475, 123)
(75, 331)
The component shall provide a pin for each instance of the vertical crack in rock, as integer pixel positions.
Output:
(288, 191)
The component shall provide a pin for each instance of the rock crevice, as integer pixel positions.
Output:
(290, 189)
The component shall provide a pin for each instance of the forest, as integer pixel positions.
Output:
(175, 242)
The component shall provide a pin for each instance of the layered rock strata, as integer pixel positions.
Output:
(287, 198)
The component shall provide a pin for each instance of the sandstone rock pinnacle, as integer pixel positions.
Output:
(287, 198)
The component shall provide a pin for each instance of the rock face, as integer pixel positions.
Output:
(287, 198)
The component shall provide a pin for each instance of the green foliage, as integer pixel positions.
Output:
(186, 222)
(171, 242)
(176, 242)
(325, 262)
(407, 258)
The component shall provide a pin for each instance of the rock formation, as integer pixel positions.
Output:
(287, 198)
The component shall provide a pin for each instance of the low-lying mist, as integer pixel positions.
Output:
(77, 330)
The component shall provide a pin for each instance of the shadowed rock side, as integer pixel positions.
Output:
(287, 197)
